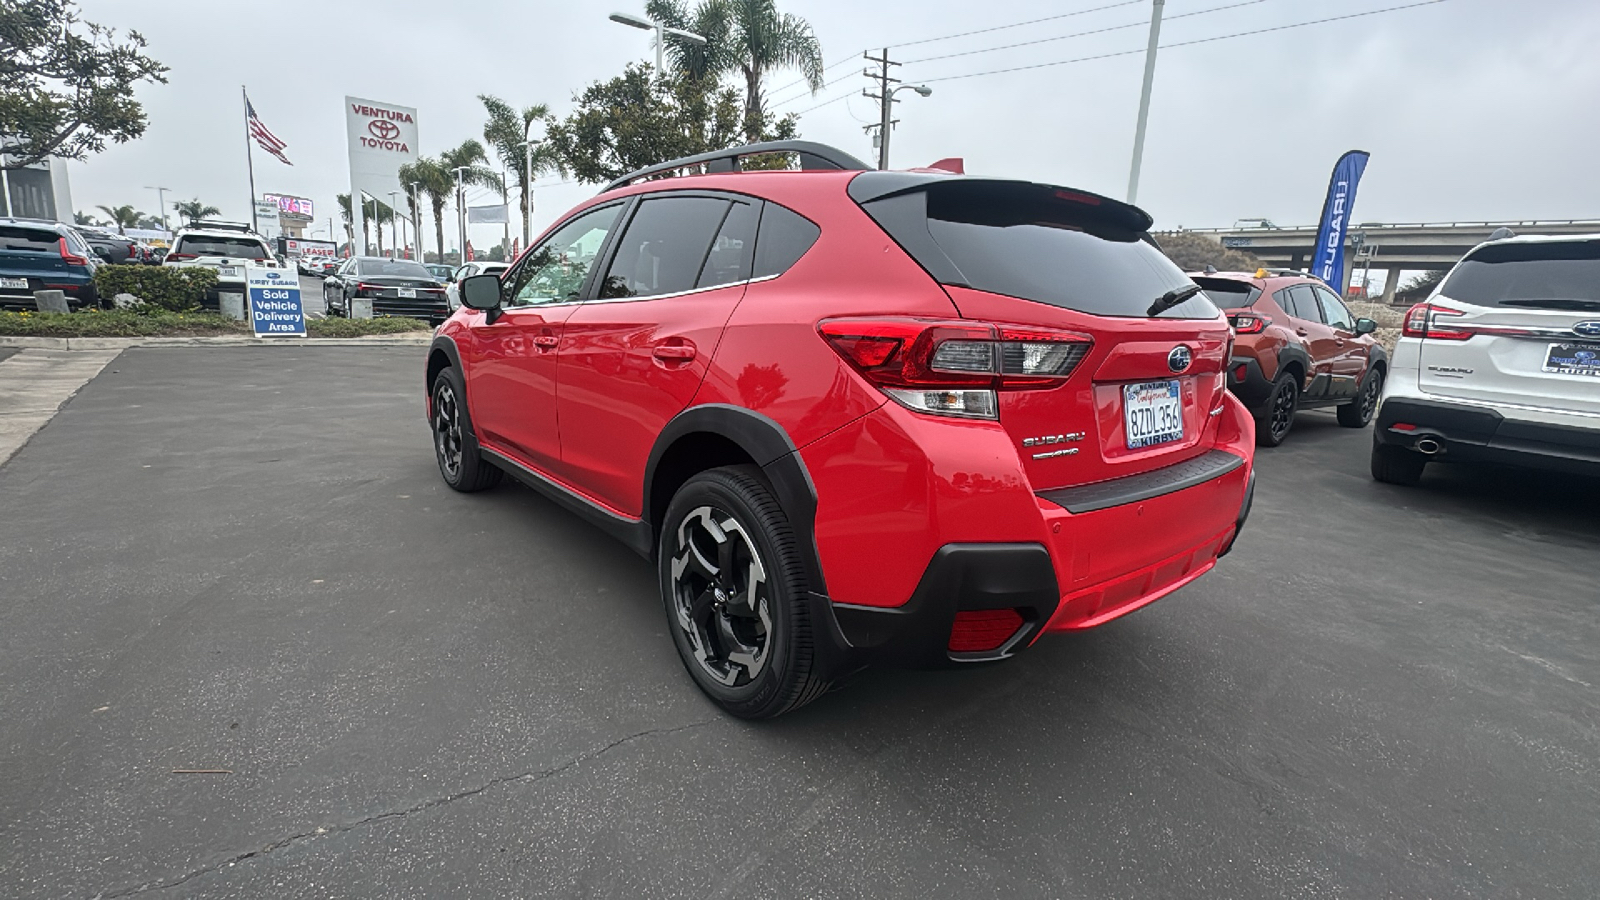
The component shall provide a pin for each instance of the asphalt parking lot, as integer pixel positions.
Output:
(243, 559)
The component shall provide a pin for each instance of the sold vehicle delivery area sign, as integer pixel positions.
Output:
(275, 308)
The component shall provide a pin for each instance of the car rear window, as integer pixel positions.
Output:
(17, 238)
(1555, 275)
(1229, 294)
(207, 245)
(1041, 243)
(394, 268)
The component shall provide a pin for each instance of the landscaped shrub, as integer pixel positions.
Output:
(163, 287)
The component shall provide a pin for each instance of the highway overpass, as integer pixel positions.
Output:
(1391, 248)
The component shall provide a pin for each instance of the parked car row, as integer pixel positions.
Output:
(38, 255)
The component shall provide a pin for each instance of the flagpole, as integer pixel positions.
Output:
(250, 160)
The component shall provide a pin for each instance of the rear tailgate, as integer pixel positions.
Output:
(28, 257)
(1518, 323)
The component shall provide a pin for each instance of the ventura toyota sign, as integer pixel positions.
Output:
(381, 137)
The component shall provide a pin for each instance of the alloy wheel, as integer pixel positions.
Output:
(1282, 410)
(1369, 396)
(721, 597)
(447, 430)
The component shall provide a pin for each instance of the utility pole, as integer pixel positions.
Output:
(461, 209)
(885, 98)
(1144, 99)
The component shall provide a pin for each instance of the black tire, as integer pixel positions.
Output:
(455, 444)
(740, 623)
(1358, 412)
(1273, 425)
(1397, 465)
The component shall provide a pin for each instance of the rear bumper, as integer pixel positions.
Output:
(1467, 433)
(1254, 388)
(1100, 563)
(79, 293)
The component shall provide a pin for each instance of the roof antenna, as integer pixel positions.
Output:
(1502, 233)
(1210, 269)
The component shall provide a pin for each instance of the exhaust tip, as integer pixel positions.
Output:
(1428, 446)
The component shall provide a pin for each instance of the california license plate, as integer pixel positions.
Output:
(408, 293)
(1573, 359)
(20, 284)
(1153, 412)
(230, 271)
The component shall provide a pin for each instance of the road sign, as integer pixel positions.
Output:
(275, 308)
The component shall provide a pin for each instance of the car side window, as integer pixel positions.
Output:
(785, 236)
(734, 248)
(554, 272)
(1303, 303)
(664, 247)
(1334, 312)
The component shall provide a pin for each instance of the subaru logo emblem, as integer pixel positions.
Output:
(1179, 359)
(1587, 329)
(1587, 357)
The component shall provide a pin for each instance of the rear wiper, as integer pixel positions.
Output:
(1172, 298)
(1555, 303)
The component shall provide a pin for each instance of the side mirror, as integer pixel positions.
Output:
(480, 292)
(1366, 326)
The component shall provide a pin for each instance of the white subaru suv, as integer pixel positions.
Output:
(1500, 365)
(223, 246)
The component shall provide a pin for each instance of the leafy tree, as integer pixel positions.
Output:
(150, 223)
(1193, 252)
(124, 217)
(193, 210)
(82, 218)
(747, 38)
(636, 120)
(66, 86)
(1420, 285)
(505, 132)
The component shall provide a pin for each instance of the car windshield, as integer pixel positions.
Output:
(217, 245)
(394, 268)
(14, 238)
(1551, 275)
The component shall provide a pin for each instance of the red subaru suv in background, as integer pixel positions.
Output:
(856, 416)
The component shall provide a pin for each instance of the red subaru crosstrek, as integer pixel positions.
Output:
(856, 416)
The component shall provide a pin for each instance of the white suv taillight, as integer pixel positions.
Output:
(954, 368)
(1423, 321)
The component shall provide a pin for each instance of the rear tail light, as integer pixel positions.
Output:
(1423, 321)
(1247, 324)
(362, 286)
(982, 630)
(954, 368)
(68, 257)
(176, 257)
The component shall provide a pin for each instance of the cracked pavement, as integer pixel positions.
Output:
(243, 559)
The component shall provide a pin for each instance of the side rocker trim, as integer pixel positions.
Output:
(636, 534)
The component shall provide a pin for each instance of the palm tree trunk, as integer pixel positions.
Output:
(753, 112)
(438, 225)
(527, 212)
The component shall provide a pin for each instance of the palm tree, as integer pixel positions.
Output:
(437, 184)
(124, 217)
(82, 218)
(194, 210)
(747, 37)
(506, 131)
(344, 214)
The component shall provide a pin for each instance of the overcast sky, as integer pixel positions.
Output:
(1472, 109)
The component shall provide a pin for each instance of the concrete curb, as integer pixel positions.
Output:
(420, 339)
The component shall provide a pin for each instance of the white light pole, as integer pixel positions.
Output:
(661, 34)
(394, 224)
(1144, 99)
(461, 210)
(887, 123)
(161, 201)
(416, 218)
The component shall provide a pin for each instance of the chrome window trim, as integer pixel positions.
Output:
(699, 290)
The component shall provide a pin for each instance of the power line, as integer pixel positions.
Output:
(1139, 24)
(1220, 37)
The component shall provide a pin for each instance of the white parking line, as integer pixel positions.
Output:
(33, 386)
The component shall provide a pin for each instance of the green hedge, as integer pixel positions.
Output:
(148, 322)
(173, 288)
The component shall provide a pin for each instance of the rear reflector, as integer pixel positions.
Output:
(1241, 371)
(982, 630)
(1403, 426)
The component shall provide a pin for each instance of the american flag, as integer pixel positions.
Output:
(268, 141)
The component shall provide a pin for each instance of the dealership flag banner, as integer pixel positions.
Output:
(263, 136)
(1328, 261)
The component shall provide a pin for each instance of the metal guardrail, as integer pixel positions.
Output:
(1525, 223)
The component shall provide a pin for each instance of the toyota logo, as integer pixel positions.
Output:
(1179, 359)
(383, 129)
(1587, 329)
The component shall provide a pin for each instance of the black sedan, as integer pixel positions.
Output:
(394, 287)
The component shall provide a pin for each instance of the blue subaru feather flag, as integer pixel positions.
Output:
(1328, 261)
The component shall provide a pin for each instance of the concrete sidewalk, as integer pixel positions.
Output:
(35, 383)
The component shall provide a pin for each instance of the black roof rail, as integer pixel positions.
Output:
(812, 156)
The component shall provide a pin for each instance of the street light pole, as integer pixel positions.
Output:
(461, 210)
(394, 223)
(1144, 99)
(161, 201)
(527, 191)
(416, 219)
(661, 31)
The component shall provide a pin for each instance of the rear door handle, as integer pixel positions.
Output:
(673, 352)
(1300, 331)
(546, 341)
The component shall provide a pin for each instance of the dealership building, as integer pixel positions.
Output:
(38, 191)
